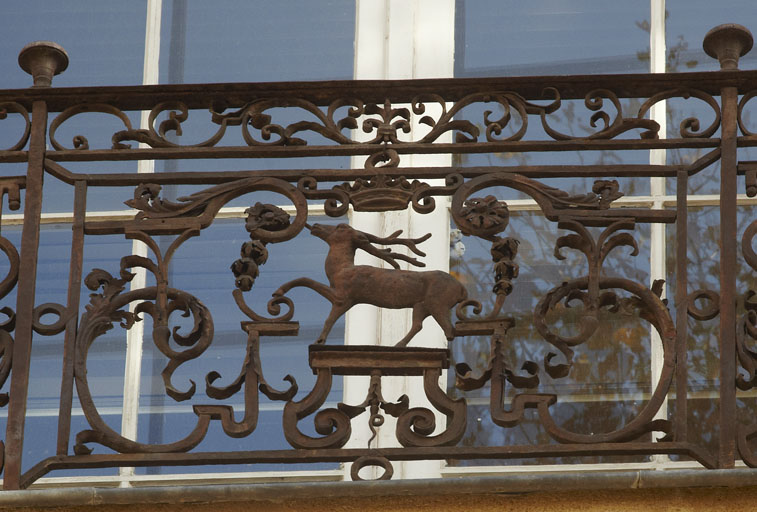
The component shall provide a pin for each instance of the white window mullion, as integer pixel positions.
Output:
(401, 40)
(361, 321)
(393, 324)
(135, 335)
(433, 52)
(657, 267)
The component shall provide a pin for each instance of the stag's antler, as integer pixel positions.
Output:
(393, 239)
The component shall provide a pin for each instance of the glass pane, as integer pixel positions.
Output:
(45, 372)
(689, 20)
(256, 41)
(253, 41)
(112, 53)
(105, 40)
(549, 37)
(553, 38)
(610, 378)
(105, 362)
(164, 420)
(703, 268)
(686, 25)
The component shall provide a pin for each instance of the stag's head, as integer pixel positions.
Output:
(320, 230)
(339, 234)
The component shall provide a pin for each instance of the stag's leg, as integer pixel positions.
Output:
(442, 318)
(305, 282)
(440, 302)
(336, 312)
(419, 314)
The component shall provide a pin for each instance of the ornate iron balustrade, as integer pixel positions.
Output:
(383, 111)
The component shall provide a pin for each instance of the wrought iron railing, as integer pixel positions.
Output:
(383, 110)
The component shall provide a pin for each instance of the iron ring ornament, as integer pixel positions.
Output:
(368, 461)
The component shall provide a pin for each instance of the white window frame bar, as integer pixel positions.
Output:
(657, 185)
(395, 39)
(667, 201)
(135, 335)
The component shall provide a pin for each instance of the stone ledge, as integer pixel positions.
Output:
(691, 483)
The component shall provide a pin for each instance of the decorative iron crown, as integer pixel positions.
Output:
(381, 193)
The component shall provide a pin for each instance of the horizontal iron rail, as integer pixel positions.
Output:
(521, 146)
(220, 152)
(216, 177)
(232, 95)
(352, 454)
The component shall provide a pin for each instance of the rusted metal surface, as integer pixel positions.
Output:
(590, 223)
(74, 289)
(235, 95)
(27, 272)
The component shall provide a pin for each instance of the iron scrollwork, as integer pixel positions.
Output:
(387, 124)
(11, 107)
(486, 217)
(593, 292)
(746, 334)
(159, 302)
(427, 293)
(265, 224)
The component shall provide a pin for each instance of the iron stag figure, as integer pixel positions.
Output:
(429, 293)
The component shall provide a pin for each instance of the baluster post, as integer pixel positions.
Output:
(727, 43)
(43, 60)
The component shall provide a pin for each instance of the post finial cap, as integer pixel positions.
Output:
(43, 60)
(728, 43)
